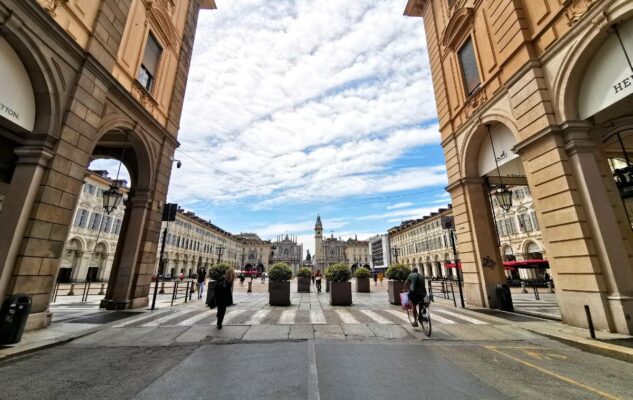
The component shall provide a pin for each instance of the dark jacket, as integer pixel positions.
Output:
(201, 276)
(222, 292)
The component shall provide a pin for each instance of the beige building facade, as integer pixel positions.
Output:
(537, 93)
(425, 244)
(94, 235)
(255, 252)
(84, 80)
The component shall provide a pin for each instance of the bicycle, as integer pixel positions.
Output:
(424, 316)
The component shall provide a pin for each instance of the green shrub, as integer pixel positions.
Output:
(304, 273)
(218, 270)
(279, 272)
(362, 272)
(338, 273)
(398, 272)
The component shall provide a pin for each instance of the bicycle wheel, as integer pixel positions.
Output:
(425, 321)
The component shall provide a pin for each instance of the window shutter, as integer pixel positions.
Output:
(152, 55)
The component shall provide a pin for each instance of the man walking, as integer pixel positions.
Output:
(202, 275)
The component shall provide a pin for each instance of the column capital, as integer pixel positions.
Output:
(579, 137)
(28, 155)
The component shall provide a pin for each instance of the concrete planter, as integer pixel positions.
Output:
(327, 286)
(341, 293)
(394, 289)
(362, 285)
(279, 293)
(303, 285)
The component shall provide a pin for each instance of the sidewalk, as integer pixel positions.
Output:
(607, 344)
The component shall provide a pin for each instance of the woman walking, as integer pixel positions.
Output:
(317, 279)
(222, 296)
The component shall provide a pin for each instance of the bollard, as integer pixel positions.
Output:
(550, 286)
(192, 290)
(102, 289)
(162, 288)
(524, 287)
(71, 292)
(56, 291)
(453, 293)
(592, 332)
(173, 293)
(187, 292)
(536, 295)
(250, 287)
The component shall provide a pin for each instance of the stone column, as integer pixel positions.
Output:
(121, 285)
(80, 266)
(608, 226)
(17, 208)
(477, 241)
(106, 267)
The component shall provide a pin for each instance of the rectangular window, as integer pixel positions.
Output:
(95, 221)
(117, 226)
(149, 66)
(468, 63)
(81, 218)
(105, 227)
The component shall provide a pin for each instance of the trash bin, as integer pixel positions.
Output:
(504, 298)
(13, 315)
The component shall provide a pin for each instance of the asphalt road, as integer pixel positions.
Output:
(431, 369)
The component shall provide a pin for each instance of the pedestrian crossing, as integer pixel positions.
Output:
(197, 316)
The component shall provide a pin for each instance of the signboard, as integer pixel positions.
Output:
(608, 78)
(169, 211)
(448, 223)
(503, 140)
(17, 101)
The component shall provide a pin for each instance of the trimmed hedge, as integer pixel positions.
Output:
(218, 270)
(398, 272)
(280, 272)
(304, 273)
(338, 273)
(362, 273)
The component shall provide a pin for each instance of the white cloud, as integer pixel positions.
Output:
(400, 205)
(401, 215)
(295, 99)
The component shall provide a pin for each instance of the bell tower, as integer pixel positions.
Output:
(318, 242)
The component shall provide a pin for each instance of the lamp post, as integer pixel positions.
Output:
(220, 251)
(395, 252)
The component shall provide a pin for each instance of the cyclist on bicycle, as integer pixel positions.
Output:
(417, 292)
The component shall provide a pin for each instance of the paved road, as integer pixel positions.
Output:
(313, 351)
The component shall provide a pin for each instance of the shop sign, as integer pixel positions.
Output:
(608, 78)
(624, 181)
(17, 101)
(503, 140)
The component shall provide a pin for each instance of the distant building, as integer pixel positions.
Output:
(379, 252)
(92, 240)
(256, 253)
(288, 250)
(328, 251)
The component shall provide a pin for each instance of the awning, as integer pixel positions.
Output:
(452, 265)
(526, 264)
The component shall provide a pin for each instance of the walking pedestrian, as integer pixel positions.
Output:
(313, 277)
(230, 278)
(375, 278)
(222, 296)
(317, 279)
(381, 277)
(202, 276)
(242, 278)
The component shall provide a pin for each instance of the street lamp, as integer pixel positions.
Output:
(111, 198)
(501, 193)
(220, 251)
(395, 252)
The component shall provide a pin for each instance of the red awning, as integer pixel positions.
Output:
(526, 264)
(452, 265)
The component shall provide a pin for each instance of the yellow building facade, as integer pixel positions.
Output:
(538, 93)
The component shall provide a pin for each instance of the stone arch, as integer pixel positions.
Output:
(44, 73)
(476, 136)
(565, 85)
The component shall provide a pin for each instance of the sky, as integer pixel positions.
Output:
(302, 107)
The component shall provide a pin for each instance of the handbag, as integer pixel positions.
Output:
(211, 295)
(404, 301)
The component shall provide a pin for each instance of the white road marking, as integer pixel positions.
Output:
(440, 319)
(169, 317)
(257, 318)
(376, 317)
(196, 318)
(460, 316)
(132, 320)
(346, 317)
(317, 317)
(288, 317)
(232, 315)
(400, 314)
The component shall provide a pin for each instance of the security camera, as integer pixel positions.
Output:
(178, 164)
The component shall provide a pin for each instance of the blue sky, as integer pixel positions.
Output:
(299, 107)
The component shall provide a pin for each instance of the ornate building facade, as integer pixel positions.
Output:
(256, 253)
(85, 80)
(328, 251)
(94, 235)
(288, 250)
(537, 94)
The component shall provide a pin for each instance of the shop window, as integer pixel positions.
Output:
(7, 160)
(149, 66)
(468, 63)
